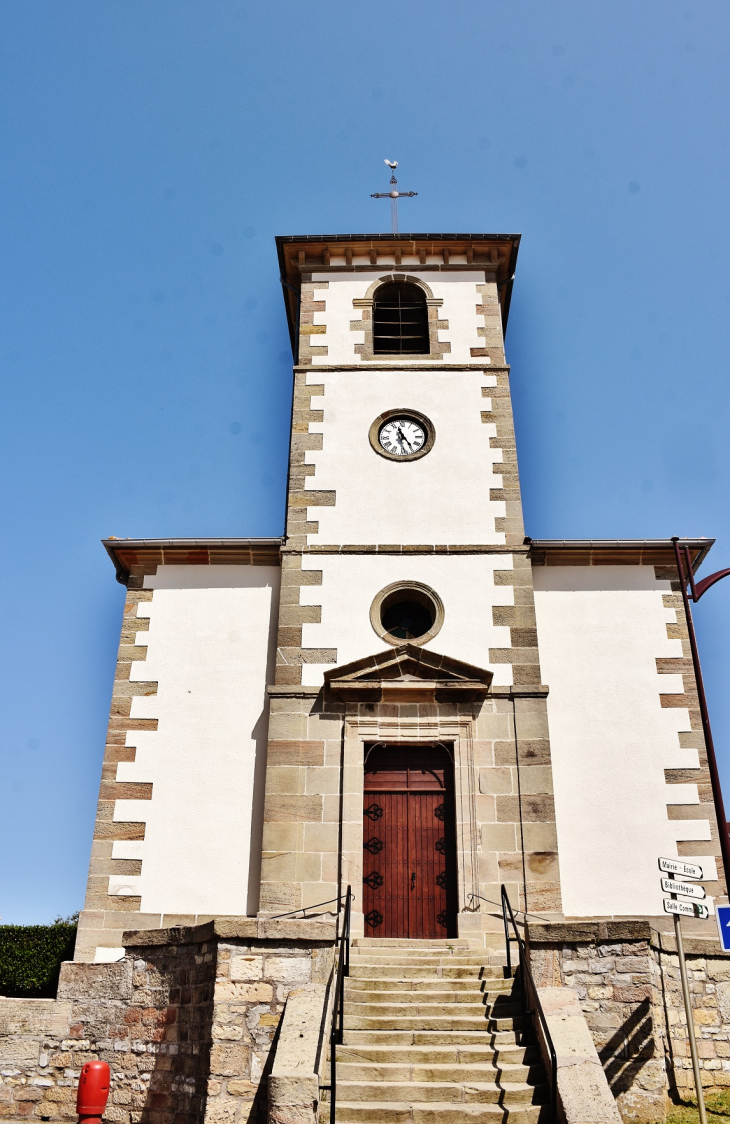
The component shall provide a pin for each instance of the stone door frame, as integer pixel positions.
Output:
(457, 731)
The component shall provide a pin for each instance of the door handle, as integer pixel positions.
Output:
(413, 879)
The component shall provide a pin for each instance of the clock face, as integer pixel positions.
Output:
(402, 437)
(402, 434)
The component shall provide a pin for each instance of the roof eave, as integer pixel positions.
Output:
(189, 551)
(614, 551)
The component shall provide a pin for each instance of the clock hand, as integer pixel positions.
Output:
(402, 438)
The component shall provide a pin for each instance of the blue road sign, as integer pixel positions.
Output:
(723, 925)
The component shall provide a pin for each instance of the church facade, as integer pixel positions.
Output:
(403, 693)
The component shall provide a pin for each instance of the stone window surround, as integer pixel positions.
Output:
(422, 592)
(365, 350)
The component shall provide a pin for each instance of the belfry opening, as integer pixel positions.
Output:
(400, 320)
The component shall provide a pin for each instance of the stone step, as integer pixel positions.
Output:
(435, 1022)
(427, 1011)
(447, 949)
(427, 984)
(432, 1030)
(503, 1000)
(425, 956)
(473, 994)
(403, 1112)
(424, 971)
(462, 1052)
(477, 1034)
(374, 1072)
(492, 945)
(476, 1092)
(407, 942)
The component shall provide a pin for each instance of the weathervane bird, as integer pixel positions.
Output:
(394, 195)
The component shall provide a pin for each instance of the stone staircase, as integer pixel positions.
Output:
(431, 1037)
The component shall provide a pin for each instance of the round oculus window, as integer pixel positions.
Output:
(407, 620)
(402, 435)
(407, 612)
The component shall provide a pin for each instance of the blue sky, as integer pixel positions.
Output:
(151, 152)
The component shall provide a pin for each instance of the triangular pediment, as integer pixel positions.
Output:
(408, 671)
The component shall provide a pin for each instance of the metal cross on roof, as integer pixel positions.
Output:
(394, 194)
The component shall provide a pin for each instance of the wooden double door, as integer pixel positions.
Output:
(409, 842)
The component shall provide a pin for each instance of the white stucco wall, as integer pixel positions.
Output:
(457, 290)
(210, 647)
(600, 631)
(443, 497)
(464, 583)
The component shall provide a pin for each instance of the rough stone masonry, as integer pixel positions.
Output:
(626, 976)
(186, 1022)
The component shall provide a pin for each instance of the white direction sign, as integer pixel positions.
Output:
(686, 889)
(682, 870)
(686, 909)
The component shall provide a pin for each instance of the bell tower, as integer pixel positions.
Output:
(406, 621)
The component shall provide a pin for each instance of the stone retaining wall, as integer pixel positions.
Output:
(252, 983)
(145, 1016)
(186, 1022)
(626, 976)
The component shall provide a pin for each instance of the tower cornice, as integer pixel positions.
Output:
(303, 254)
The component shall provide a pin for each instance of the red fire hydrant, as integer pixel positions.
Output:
(93, 1092)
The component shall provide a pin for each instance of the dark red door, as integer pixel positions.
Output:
(409, 843)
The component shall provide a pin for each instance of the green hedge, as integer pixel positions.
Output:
(31, 956)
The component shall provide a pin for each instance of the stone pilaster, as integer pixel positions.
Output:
(491, 331)
(308, 330)
(105, 916)
(689, 739)
(518, 832)
(500, 415)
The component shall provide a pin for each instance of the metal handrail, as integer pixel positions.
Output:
(490, 901)
(526, 978)
(338, 1002)
(303, 908)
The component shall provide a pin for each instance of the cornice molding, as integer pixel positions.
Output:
(300, 256)
(613, 552)
(406, 549)
(387, 365)
(147, 554)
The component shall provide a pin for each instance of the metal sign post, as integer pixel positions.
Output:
(676, 908)
(690, 1020)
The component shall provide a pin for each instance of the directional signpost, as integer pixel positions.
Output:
(682, 880)
(682, 870)
(686, 909)
(686, 889)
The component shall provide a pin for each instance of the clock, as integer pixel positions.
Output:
(402, 435)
